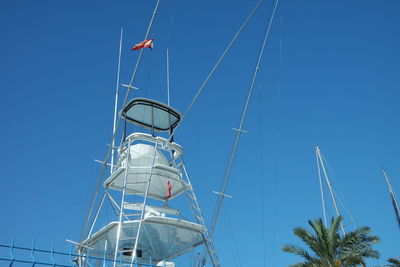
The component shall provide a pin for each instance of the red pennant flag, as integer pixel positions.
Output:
(169, 188)
(147, 43)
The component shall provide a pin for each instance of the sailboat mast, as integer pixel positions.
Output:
(329, 186)
(393, 196)
(390, 186)
(320, 184)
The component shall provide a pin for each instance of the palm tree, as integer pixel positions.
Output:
(329, 249)
(394, 262)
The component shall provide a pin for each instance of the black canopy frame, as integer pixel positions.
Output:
(174, 116)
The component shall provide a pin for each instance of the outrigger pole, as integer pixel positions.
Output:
(239, 131)
(393, 197)
(116, 103)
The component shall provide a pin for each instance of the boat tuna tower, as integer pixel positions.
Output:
(148, 175)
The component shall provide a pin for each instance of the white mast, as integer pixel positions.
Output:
(320, 162)
(320, 185)
(393, 196)
(116, 102)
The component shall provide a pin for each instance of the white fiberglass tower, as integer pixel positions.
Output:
(148, 178)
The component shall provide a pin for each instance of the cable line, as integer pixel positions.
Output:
(262, 186)
(277, 155)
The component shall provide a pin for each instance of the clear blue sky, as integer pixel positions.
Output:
(339, 88)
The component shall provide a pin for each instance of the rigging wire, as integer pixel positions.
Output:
(235, 247)
(339, 194)
(328, 182)
(346, 207)
(215, 66)
(277, 155)
(103, 170)
(261, 134)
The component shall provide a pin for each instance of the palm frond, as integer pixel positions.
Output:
(298, 251)
(394, 262)
(327, 248)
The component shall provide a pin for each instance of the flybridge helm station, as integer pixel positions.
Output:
(148, 168)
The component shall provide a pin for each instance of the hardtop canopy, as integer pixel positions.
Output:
(151, 114)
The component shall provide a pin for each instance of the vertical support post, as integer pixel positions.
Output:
(128, 161)
(152, 121)
(104, 254)
(88, 263)
(52, 253)
(330, 188)
(32, 253)
(70, 257)
(144, 204)
(12, 251)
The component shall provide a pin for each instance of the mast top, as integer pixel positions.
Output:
(151, 114)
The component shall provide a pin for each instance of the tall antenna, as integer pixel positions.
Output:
(168, 76)
(116, 102)
(321, 164)
(393, 197)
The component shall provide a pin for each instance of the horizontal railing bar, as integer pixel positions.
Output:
(39, 250)
(53, 252)
(36, 262)
(62, 265)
